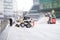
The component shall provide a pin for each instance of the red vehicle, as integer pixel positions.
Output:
(52, 19)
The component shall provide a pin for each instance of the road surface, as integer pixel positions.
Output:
(38, 32)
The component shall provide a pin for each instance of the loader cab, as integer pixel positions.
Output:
(26, 18)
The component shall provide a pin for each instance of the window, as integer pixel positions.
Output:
(46, 5)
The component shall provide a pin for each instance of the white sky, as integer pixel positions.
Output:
(24, 5)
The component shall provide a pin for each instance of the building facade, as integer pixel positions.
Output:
(35, 6)
(8, 7)
(1, 6)
(47, 4)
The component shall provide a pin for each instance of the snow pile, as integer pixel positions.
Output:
(43, 20)
(38, 32)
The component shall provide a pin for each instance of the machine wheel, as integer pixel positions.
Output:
(17, 25)
(22, 25)
(49, 22)
(28, 25)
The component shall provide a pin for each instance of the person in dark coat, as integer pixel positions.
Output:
(10, 20)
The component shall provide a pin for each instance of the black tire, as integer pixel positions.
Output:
(48, 22)
(10, 21)
(22, 25)
(17, 25)
(28, 25)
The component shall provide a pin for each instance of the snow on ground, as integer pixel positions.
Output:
(38, 32)
(4, 34)
(58, 21)
(43, 20)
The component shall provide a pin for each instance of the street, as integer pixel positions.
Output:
(29, 19)
(38, 32)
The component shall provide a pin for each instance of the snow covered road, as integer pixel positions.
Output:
(38, 32)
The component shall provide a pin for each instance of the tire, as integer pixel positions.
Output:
(10, 21)
(17, 25)
(49, 22)
(22, 25)
(28, 25)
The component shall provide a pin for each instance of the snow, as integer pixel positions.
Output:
(4, 34)
(43, 20)
(58, 21)
(38, 32)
